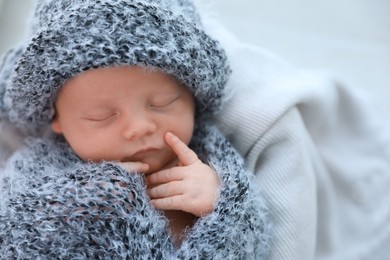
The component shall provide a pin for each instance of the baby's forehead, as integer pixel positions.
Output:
(135, 79)
(102, 91)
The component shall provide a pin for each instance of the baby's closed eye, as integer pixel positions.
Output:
(101, 115)
(164, 101)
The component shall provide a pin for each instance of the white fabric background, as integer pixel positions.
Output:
(349, 37)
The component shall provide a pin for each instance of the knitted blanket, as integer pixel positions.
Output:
(53, 205)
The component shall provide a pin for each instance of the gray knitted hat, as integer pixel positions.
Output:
(71, 36)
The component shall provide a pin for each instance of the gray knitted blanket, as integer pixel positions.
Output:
(53, 206)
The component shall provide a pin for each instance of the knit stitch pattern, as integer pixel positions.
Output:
(69, 37)
(56, 206)
(7, 64)
(53, 204)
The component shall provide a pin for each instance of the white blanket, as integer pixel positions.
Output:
(320, 154)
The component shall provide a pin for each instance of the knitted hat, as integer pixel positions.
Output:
(71, 36)
(6, 65)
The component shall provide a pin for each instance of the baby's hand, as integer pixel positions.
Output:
(192, 186)
(134, 166)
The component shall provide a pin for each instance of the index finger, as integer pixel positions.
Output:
(185, 155)
(133, 166)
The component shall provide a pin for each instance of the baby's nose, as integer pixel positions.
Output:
(139, 126)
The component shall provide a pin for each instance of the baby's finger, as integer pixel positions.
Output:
(169, 203)
(184, 153)
(134, 166)
(166, 190)
(164, 176)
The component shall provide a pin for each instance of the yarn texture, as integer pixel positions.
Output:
(56, 206)
(53, 204)
(69, 37)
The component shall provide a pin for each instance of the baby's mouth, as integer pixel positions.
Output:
(137, 156)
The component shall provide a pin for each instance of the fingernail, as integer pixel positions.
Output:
(170, 135)
(145, 167)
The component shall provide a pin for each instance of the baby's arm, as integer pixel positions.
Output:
(192, 186)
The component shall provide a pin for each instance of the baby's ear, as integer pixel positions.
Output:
(56, 126)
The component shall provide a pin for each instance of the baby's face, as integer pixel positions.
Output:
(122, 114)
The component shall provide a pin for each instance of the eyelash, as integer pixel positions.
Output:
(165, 104)
(101, 119)
(155, 106)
